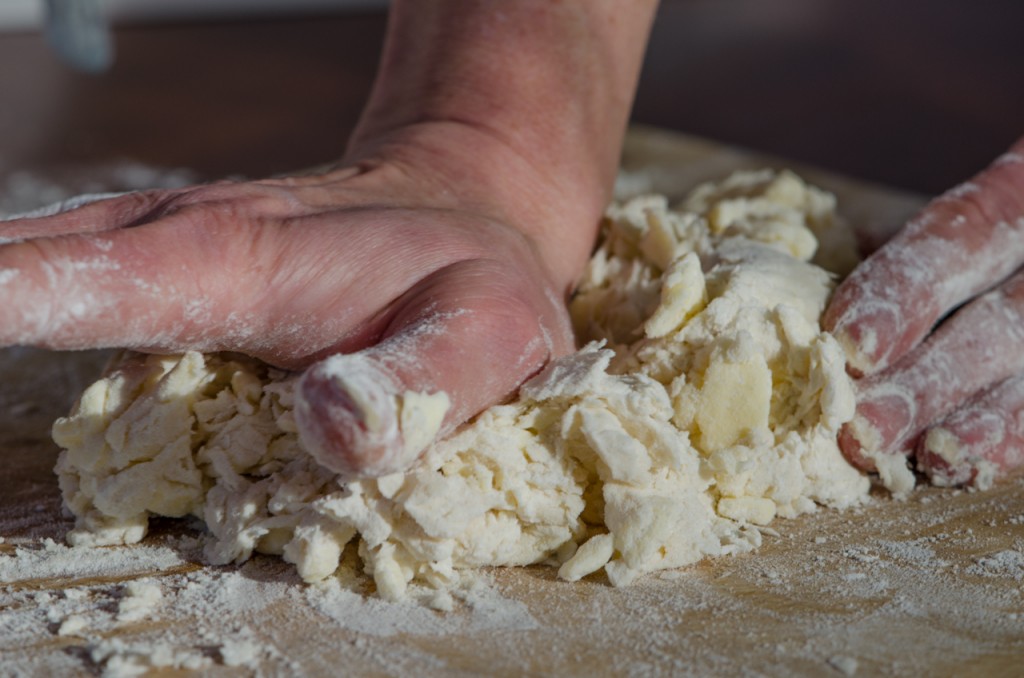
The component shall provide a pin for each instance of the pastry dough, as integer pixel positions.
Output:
(704, 403)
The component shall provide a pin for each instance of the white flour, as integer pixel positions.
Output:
(886, 575)
(55, 560)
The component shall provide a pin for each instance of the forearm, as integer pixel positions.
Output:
(550, 81)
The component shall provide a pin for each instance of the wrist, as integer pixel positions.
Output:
(518, 107)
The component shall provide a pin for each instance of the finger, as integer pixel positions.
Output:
(961, 244)
(84, 214)
(465, 339)
(60, 206)
(210, 281)
(979, 346)
(979, 442)
(104, 212)
(127, 288)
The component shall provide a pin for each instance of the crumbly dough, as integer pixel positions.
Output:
(705, 403)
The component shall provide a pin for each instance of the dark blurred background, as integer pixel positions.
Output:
(913, 93)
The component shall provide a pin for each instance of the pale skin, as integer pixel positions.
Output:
(454, 226)
(948, 394)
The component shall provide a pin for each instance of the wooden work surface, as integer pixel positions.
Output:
(929, 586)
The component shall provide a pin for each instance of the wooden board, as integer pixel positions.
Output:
(929, 586)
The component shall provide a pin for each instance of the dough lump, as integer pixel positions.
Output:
(704, 403)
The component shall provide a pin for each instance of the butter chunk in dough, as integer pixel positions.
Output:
(704, 403)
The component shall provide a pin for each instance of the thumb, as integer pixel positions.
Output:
(461, 340)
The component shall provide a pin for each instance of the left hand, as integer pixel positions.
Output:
(414, 267)
(949, 390)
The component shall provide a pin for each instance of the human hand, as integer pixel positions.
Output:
(409, 258)
(441, 252)
(950, 394)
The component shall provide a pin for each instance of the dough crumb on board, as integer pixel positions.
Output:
(704, 403)
(844, 665)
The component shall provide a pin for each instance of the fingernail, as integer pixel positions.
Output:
(866, 336)
(346, 416)
(890, 464)
(849, 443)
(354, 417)
(943, 457)
(883, 423)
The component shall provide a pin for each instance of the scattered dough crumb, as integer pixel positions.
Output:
(844, 665)
(240, 652)
(140, 597)
(121, 659)
(73, 626)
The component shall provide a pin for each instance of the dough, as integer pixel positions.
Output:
(704, 403)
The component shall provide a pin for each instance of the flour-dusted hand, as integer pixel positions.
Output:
(934, 321)
(421, 280)
(433, 299)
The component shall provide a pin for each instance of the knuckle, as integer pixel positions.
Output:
(516, 323)
(999, 198)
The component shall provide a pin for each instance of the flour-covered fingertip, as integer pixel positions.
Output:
(866, 330)
(945, 459)
(346, 416)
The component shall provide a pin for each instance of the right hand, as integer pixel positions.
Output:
(951, 394)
